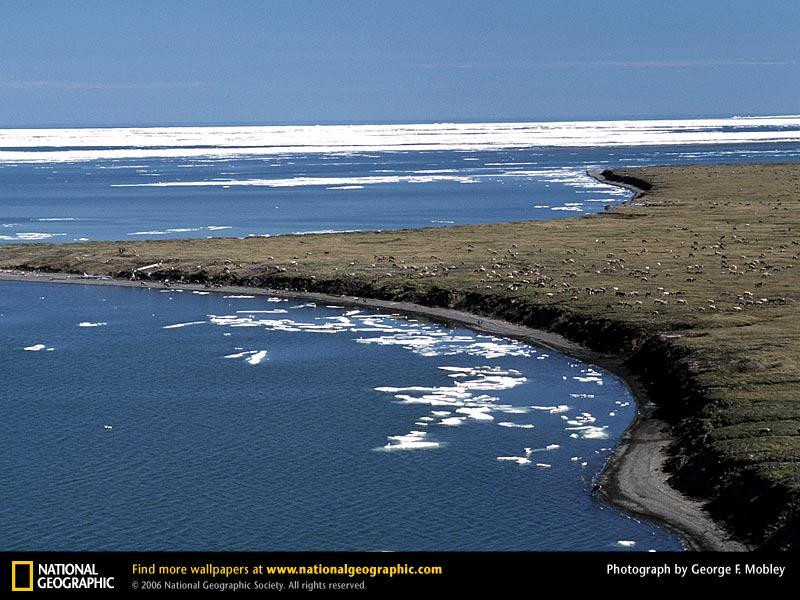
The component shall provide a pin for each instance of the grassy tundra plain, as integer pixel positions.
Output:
(695, 283)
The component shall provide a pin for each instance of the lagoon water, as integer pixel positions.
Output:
(142, 420)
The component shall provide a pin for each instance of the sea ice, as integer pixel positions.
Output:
(413, 440)
(179, 325)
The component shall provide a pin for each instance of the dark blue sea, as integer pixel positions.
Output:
(156, 198)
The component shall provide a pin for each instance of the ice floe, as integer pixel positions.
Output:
(301, 181)
(428, 342)
(524, 460)
(177, 229)
(548, 448)
(561, 408)
(29, 236)
(256, 357)
(479, 413)
(589, 376)
(520, 460)
(589, 432)
(37, 348)
(253, 357)
(461, 395)
(423, 339)
(413, 440)
(180, 325)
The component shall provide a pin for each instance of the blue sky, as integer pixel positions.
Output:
(170, 62)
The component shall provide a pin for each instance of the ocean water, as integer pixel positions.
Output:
(143, 420)
(129, 184)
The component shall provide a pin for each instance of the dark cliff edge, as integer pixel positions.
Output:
(638, 185)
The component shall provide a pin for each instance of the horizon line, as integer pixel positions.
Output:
(428, 121)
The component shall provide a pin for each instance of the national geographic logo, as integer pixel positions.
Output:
(21, 575)
(27, 576)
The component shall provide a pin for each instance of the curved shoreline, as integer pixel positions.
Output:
(633, 479)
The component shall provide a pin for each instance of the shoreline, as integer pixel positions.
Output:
(633, 479)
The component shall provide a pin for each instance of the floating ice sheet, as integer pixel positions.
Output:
(252, 357)
(181, 325)
(413, 440)
(54, 145)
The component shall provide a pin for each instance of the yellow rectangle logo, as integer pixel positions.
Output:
(26, 585)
